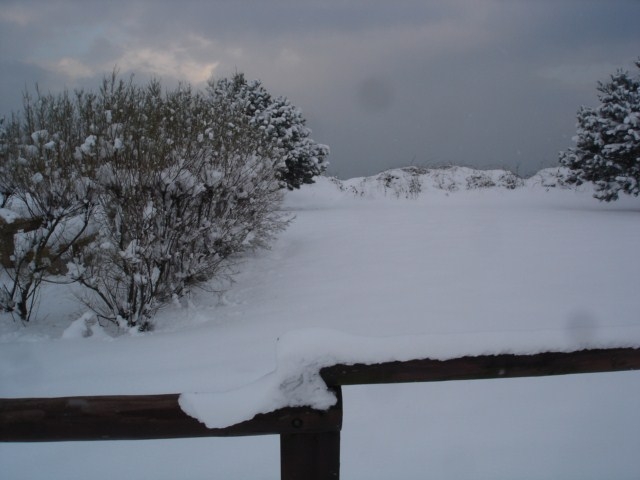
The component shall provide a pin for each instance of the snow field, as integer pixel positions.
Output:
(446, 272)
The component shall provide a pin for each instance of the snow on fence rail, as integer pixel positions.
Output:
(309, 439)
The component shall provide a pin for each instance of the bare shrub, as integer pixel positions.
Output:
(50, 191)
(141, 193)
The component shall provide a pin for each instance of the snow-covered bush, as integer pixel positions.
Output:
(607, 150)
(510, 180)
(282, 125)
(161, 187)
(480, 180)
(186, 182)
(49, 191)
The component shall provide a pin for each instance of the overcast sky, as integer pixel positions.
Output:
(486, 83)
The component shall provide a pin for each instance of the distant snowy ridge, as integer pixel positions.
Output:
(411, 182)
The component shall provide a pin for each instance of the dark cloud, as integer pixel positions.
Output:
(484, 82)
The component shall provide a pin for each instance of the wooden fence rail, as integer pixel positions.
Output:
(309, 439)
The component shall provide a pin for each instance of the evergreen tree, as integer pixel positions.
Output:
(303, 157)
(283, 126)
(607, 150)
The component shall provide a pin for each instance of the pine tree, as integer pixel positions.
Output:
(607, 150)
(283, 126)
(303, 157)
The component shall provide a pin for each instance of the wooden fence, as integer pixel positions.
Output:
(309, 439)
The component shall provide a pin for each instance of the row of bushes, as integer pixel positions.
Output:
(139, 193)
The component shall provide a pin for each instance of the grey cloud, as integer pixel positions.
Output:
(486, 82)
(375, 94)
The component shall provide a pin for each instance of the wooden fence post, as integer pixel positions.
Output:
(310, 456)
(314, 455)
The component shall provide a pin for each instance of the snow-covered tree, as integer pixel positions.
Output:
(283, 126)
(303, 157)
(607, 150)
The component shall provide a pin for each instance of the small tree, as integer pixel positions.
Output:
(607, 150)
(283, 128)
(303, 157)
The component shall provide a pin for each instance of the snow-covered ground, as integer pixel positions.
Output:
(404, 263)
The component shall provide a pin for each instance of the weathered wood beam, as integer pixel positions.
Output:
(160, 416)
(485, 367)
(139, 418)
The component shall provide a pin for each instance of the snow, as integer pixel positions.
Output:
(369, 277)
(39, 136)
(296, 380)
(89, 144)
(85, 326)
(8, 216)
(37, 178)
